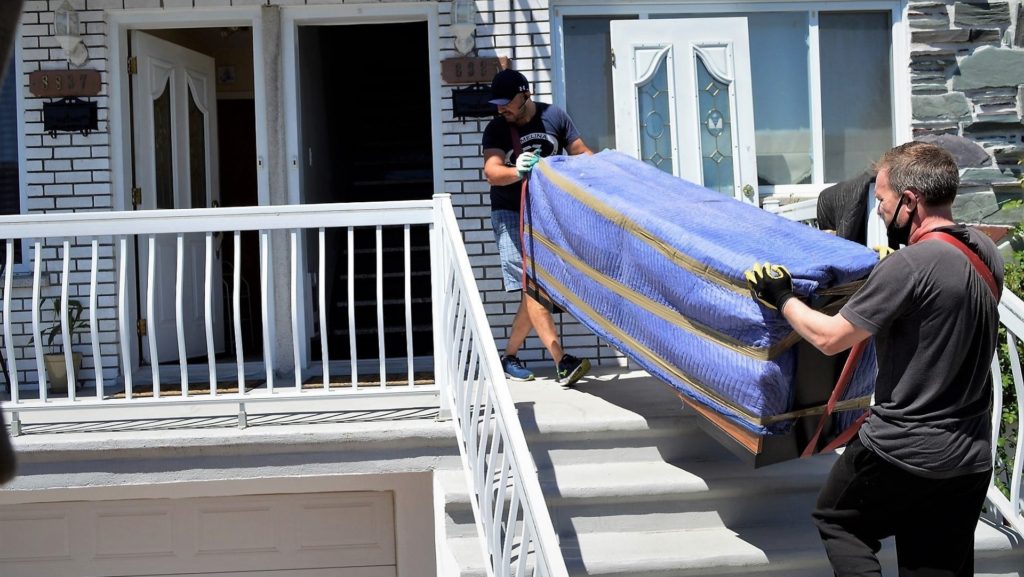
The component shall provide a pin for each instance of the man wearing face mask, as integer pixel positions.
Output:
(523, 132)
(920, 465)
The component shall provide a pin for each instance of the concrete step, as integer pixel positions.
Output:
(793, 550)
(789, 551)
(658, 495)
(610, 415)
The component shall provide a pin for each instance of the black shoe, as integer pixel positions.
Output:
(571, 369)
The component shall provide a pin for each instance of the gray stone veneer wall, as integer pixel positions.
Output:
(967, 71)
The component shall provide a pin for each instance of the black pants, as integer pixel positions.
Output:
(867, 499)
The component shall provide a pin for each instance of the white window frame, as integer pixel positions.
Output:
(899, 65)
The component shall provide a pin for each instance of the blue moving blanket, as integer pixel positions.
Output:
(654, 265)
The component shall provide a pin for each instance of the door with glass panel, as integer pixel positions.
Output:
(683, 103)
(175, 139)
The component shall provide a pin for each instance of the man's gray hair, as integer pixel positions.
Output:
(923, 168)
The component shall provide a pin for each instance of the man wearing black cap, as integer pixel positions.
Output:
(525, 132)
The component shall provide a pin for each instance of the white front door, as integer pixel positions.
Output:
(175, 138)
(683, 100)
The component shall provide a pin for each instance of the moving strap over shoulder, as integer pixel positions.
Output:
(979, 266)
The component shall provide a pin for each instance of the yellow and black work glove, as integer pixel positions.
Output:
(771, 284)
(883, 251)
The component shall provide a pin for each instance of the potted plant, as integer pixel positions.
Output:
(56, 369)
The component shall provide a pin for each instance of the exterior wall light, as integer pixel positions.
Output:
(463, 24)
(66, 31)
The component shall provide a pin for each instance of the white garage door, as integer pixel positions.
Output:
(348, 534)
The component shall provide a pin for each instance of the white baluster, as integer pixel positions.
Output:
(236, 303)
(294, 238)
(94, 321)
(268, 353)
(380, 307)
(36, 336)
(352, 308)
(322, 296)
(154, 354)
(122, 315)
(12, 369)
(408, 301)
(211, 350)
(179, 312)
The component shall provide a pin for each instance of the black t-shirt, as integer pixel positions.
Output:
(935, 322)
(549, 132)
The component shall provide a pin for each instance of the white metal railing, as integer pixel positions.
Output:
(93, 258)
(1009, 470)
(515, 529)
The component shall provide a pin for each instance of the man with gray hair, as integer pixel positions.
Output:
(920, 465)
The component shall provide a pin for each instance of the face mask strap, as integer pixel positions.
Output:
(896, 213)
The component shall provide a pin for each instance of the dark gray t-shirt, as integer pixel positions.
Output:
(549, 132)
(935, 322)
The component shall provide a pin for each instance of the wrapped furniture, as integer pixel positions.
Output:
(654, 265)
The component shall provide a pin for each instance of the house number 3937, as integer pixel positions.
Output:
(64, 82)
(469, 70)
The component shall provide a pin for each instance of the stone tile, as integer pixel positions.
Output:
(927, 88)
(956, 36)
(994, 14)
(988, 127)
(1018, 34)
(990, 67)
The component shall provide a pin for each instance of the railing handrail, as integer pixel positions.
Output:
(107, 223)
(66, 238)
(506, 415)
(1011, 315)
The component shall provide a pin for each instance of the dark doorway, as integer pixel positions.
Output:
(236, 122)
(365, 133)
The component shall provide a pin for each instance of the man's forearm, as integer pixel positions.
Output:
(828, 334)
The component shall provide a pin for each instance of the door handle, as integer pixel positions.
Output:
(748, 191)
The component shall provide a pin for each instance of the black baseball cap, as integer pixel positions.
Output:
(506, 85)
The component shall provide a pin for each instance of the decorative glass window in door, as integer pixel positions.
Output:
(197, 152)
(654, 108)
(163, 148)
(715, 120)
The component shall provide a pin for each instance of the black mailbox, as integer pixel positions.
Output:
(70, 115)
(472, 101)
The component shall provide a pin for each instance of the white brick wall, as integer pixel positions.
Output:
(66, 173)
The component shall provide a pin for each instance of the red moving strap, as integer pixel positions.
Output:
(517, 147)
(980, 267)
(844, 380)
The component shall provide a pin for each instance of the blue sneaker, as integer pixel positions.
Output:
(515, 369)
(571, 369)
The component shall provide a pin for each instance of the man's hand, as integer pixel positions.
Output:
(771, 284)
(525, 162)
(883, 251)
